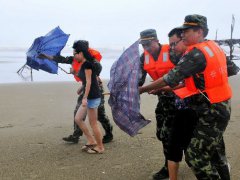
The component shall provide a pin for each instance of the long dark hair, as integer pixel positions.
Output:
(82, 46)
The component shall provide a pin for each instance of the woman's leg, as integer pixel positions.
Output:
(173, 169)
(79, 119)
(92, 115)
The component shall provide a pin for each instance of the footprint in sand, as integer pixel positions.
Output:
(7, 126)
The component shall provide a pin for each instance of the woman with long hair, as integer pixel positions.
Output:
(91, 98)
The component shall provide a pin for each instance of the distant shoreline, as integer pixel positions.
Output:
(44, 82)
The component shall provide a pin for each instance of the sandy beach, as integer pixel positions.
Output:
(35, 117)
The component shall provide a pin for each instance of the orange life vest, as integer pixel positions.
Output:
(95, 54)
(77, 65)
(215, 75)
(157, 69)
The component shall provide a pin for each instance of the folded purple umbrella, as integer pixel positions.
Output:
(124, 94)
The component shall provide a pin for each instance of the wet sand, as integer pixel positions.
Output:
(35, 117)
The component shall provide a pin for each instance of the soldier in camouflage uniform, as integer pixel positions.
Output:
(206, 152)
(102, 117)
(165, 110)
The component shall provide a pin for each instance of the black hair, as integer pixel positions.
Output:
(176, 32)
(82, 46)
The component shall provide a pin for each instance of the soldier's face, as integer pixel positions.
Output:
(151, 47)
(191, 36)
(177, 45)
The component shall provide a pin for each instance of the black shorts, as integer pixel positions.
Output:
(182, 131)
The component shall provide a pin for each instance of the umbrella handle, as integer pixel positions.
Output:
(64, 70)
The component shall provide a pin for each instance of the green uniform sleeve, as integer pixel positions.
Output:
(63, 60)
(189, 65)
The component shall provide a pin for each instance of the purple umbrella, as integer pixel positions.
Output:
(124, 95)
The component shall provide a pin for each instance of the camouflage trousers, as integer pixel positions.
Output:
(165, 115)
(205, 154)
(102, 117)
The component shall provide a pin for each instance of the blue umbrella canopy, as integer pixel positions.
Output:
(52, 44)
(124, 94)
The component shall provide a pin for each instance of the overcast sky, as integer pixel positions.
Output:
(109, 23)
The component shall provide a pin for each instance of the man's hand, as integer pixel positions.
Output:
(155, 92)
(141, 90)
(72, 71)
(45, 56)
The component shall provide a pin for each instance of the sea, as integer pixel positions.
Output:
(13, 60)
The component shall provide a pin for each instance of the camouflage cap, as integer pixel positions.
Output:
(194, 20)
(148, 35)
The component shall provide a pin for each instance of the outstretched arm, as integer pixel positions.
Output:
(159, 83)
(45, 56)
(58, 59)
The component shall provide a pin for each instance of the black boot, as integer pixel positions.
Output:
(162, 174)
(71, 138)
(108, 136)
(74, 138)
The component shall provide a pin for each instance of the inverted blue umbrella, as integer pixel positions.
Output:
(52, 44)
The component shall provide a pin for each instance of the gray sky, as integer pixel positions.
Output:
(109, 23)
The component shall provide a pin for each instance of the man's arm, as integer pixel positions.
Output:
(189, 65)
(58, 59)
(192, 63)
